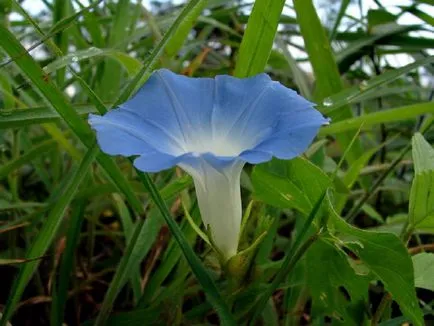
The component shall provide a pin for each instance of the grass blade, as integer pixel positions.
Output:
(347, 96)
(158, 51)
(47, 233)
(66, 265)
(138, 244)
(328, 80)
(259, 36)
(291, 258)
(56, 99)
(368, 120)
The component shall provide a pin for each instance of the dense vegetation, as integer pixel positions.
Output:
(345, 232)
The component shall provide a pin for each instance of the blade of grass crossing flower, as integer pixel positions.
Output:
(61, 295)
(47, 233)
(198, 269)
(326, 71)
(171, 259)
(258, 38)
(58, 102)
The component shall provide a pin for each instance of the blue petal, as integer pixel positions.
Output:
(115, 140)
(291, 144)
(250, 110)
(155, 161)
(181, 105)
(237, 106)
(123, 132)
(175, 119)
(256, 156)
(191, 98)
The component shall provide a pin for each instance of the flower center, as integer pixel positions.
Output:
(219, 146)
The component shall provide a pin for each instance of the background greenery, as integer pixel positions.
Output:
(84, 238)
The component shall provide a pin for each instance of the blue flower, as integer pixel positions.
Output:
(210, 127)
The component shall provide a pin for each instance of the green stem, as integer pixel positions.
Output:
(385, 301)
(405, 236)
(287, 267)
(355, 210)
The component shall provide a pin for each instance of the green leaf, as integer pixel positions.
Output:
(290, 184)
(278, 192)
(379, 17)
(329, 270)
(423, 154)
(388, 260)
(421, 207)
(258, 38)
(6, 93)
(424, 270)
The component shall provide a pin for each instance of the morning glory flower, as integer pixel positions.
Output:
(210, 127)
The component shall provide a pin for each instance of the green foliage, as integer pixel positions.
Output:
(421, 210)
(258, 39)
(394, 269)
(87, 239)
(424, 270)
